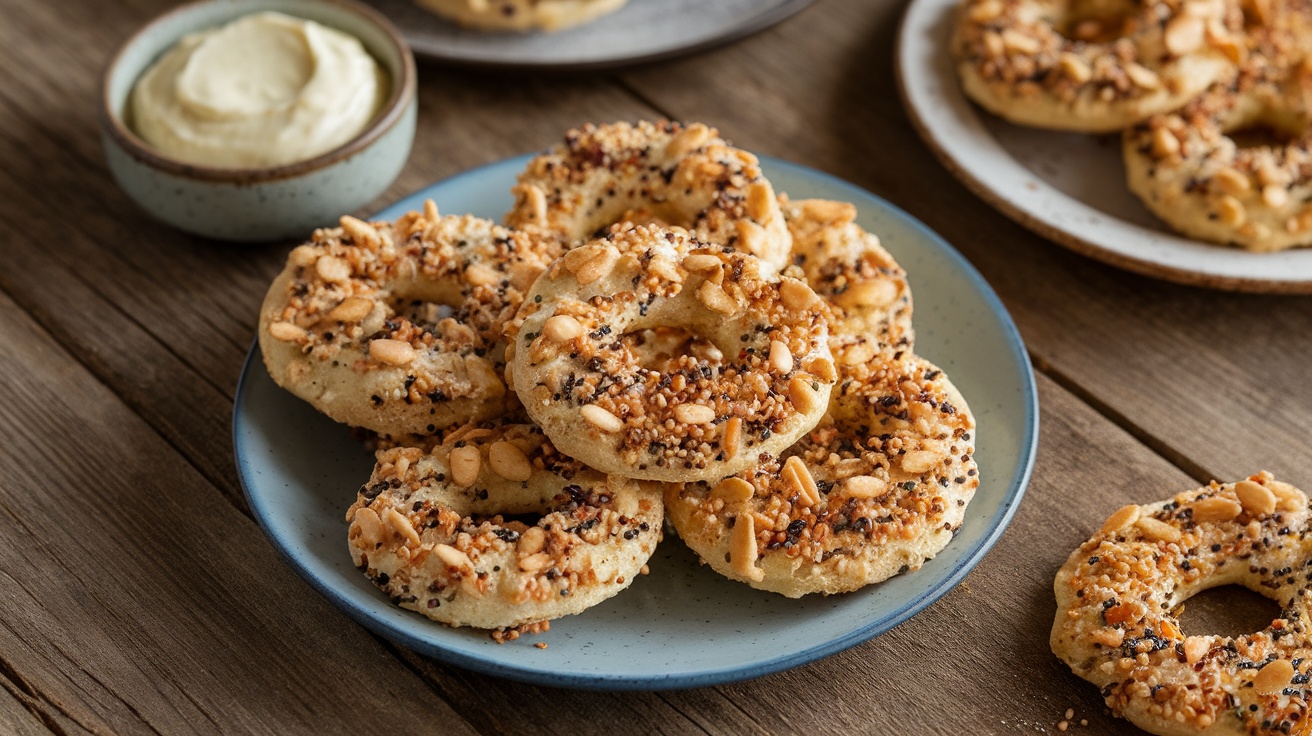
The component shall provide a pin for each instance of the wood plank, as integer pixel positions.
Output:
(1217, 381)
(480, 700)
(134, 597)
(15, 718)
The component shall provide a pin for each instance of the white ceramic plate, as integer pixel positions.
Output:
(641, 31)
(1067, 187)
(683, 625)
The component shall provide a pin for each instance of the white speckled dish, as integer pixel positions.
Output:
(1069, 188)
(641, 31)
(682, 625)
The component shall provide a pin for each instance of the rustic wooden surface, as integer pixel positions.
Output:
(138, 596)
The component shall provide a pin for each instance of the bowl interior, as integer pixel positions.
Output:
(158, 36)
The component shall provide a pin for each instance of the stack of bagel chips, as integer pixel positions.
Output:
(1212, 98)
(653, 335)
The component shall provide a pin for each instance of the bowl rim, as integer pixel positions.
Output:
(402, 93)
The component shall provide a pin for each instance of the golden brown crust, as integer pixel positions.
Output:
(355, 325)
(1192, 172)
(763, 382)
(1093, 66)
(879, 488)
(866, 290)
(493, 528)
(1117, 595)
(687, 177)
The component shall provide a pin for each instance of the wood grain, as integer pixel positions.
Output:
(15, 718)
(134, 597)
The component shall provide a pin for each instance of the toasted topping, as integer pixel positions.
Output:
(864, 486)
(332, 268)
(509, 462)
(688, 140)
(732, 436)
(392, 352)
(742, 555)
(532, 541)
(694, 414)
(802, 395)
(601, 419)
(732, 490)
(716, 299)
(797, 296)
(1255, 498)
(286, 331)
(452, 557)
(1124, 516)
(1216, 509)
(1273, 677)
(465, 463)
(1158, 531)
(352, 309)
(1184, 34)
(561, 328)
(701, 262)
(402, 526)
(781, 360)
(799, 477)
(919, 461)
(480, 275)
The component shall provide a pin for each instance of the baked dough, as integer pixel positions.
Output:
(1117, 595)
(866, 290)
(494, 529)
(1093, 65)
(687, 177)
(765, 384)
(1190, 169)
(879, 488)
(356, 323)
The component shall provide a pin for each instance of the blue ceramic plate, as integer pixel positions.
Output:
(682, 625)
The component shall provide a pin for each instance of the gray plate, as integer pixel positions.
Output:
(641, 31)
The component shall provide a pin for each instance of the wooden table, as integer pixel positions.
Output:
(137, 594)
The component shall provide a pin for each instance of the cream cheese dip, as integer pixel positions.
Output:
(264, 90)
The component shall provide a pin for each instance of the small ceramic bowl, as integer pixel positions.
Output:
(267, 203)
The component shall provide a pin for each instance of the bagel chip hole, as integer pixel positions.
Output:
(1227, 610)
(1095, 21)
(669, 349)
(1268, 129)
(421, 312)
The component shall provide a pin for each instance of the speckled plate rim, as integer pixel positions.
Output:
(424, 47)
(375, 617)
(952, 128)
